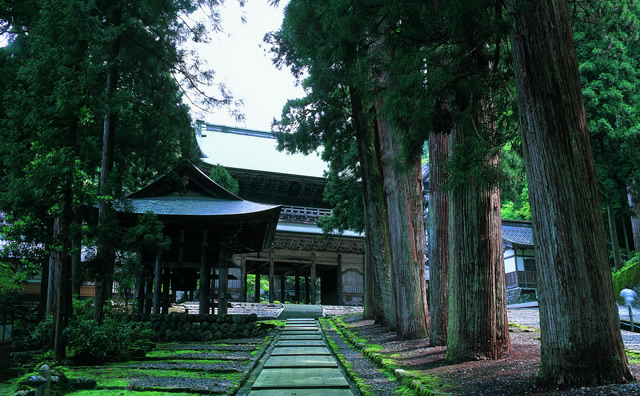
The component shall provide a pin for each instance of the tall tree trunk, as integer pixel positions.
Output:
(615, 244)
(580, 338)
(62, 262)
(377, 228)
(44, 289)
(438, 235)
(478, 327)
(104, 276)
(635, 218)
(403, 193)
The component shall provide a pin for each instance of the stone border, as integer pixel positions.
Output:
(403, 377)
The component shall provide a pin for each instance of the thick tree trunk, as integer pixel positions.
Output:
(438, 238)
(613, 232)
(62, 262)
(635, 219)
(106, 257)
(478, 327)
(403, 192)
(378, 260)
(580, 338)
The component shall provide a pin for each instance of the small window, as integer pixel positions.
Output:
(529, 264)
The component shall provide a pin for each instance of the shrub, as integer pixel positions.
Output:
(627, 275)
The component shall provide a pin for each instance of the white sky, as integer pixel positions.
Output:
(242, 61)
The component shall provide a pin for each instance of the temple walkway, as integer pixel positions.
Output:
(300, 363)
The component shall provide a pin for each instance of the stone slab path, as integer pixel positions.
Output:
(301, 364)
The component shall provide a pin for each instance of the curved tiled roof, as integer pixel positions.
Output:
(517, 232)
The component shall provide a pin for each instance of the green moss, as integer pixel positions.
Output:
(627, 275)
(633, 356)
(118, 392)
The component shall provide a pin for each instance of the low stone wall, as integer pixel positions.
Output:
(184, 327)
(513, 295)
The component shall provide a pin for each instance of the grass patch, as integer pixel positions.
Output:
(118, 392)
(277, 323)
(123, 377)
(633, 356)
(523, 327)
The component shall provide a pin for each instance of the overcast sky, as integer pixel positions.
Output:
(241, 60)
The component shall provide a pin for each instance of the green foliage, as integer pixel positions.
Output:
(608, 51)
(220, 175)
(629, 275)
(9, 285)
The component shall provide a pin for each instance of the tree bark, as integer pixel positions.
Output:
(635, 219)
(403, 193)
(613, 232)
(106, 257)
(62, 262)
(378, 286)
(580, 338)
(438, 237)
(478, 327)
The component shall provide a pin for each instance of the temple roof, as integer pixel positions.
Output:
(238, 148)
(186, 196)
(517, 232)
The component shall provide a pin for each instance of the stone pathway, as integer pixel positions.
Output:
(301, 364)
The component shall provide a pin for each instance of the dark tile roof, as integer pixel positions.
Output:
(195, 206)
(517, 232)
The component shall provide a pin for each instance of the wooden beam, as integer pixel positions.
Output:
(312, 279)
(339, 280)
(157, 284)
(223, 268)
(205, 273)
(272, 285)
(243, 279)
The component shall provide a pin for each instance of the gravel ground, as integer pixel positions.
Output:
(515, 375)
(362, 366)
(222, 367)
(210, 386)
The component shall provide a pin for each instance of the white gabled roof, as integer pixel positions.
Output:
(254, 150)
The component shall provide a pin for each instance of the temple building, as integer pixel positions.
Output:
(321, 269)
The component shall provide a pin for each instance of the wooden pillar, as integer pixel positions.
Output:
(283, 296)
(257, 296)
(166, 279)
(272, 283)
(205, 276)
(297, 286)
(339, 280)
(140, 289)
(148, 293)
(223, 268)
(243, 278)
(312, 279)
(307, 286)
(157, 275)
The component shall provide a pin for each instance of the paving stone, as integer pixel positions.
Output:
(280, 351)
(300, 361)
(326, 378)
(301, 392)
(300, 328)
(301, 343)
(301, 337)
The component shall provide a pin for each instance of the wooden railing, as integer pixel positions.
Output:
(527, 279)
(302, 214)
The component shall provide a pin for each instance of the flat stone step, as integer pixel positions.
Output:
(301, 392)
(300, 361)
(300, 343)
(300, 332)
(301, 337)
(283, 351)
(305, 378)
(301, 328)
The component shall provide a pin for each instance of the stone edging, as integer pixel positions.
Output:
(403, 377)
